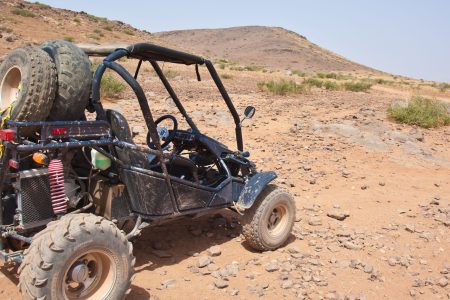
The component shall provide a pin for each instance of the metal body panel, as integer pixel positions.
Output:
(254, 186)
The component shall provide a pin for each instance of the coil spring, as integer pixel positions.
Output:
(57, 191)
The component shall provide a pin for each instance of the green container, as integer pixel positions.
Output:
(100, 161)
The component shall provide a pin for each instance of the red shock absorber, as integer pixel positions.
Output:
(58, 193)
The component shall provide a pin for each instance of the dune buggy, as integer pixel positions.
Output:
(74, 194)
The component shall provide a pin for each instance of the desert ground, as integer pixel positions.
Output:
(372, 195)
(342, 158)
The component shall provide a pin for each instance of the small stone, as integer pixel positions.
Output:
(410, 228)
(364, 187)
(351, 246)
(214, 251)
(233, 292)
(392, 261)
(315, 221)
(338, 215)
(272, 266)
(412, 292)
(368, 269)
(307, 277)
(168, 283)
(213, 267)
(443, 282)
(287, 284)
(203, 261)
(221, 284)
(381, 183)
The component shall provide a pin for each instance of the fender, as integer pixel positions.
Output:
(254, 186)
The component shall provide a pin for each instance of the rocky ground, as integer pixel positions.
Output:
(373, 208)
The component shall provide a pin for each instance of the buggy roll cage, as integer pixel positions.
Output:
(154, 53)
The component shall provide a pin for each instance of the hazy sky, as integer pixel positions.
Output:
(402, 37)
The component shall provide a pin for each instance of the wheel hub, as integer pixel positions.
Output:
(80, 273)
(10, 87)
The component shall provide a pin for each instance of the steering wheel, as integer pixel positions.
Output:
(164, 134)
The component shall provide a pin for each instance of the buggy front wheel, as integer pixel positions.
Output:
(80, 256)
(268, 223)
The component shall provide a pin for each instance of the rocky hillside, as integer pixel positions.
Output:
(273, 47)
(32, 23)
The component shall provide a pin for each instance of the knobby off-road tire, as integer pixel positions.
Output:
(268, 223)
(28, 84)
(80, 256)
(74, 80)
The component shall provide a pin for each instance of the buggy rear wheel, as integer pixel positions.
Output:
(268, 223)
(81, 256)
(27, 84)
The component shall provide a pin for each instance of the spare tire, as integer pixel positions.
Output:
(74, 80)
(27, 84)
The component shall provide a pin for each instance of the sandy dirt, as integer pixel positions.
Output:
(336, 151)
(338, 154)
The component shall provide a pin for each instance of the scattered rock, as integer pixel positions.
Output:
(315, 221)
(272, 266)
(338, 215)
(168, 283)
(443, 282)
(214, 251)
(203, 261)
(233, 292)
(221, 284)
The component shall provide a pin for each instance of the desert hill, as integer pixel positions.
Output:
(32, 23)
(272, 47)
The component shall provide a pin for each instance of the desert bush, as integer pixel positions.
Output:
(42, 5)
(110, 86)
(69, 38)
(108, 27)
(5, 29)
(421, 111)
(227, 76)
(23, 12)
(331, 85)
(170, 74)
(95, 18)
(129, 32)
(298, 73)
(93, 36)
(444, 86)
(357, 86)
(76, 20)
(313, 82)
(283, 87)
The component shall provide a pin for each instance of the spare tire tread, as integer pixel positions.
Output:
(74, 80)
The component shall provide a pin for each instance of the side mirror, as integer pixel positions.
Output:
(249, 112)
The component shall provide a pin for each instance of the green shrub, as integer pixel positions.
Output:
(170, 74)
(298, 73)
(331, 85)
(69, 38)
(313, 82)
(43, 5)
(5, 29)
(93, 36)
(95, 18)
(422, 112)
(76, 20)
(129, 32)
(444, 86)
(283, 87)
(108, 27)
(23, 13)
(357, 86)
(110, 86)
(227, 76)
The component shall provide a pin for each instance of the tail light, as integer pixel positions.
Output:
(7, 135)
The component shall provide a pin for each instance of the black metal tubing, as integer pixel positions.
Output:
(148, 51)
(144, 108)
(57, 145)
(230, 105)
(172, 94)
